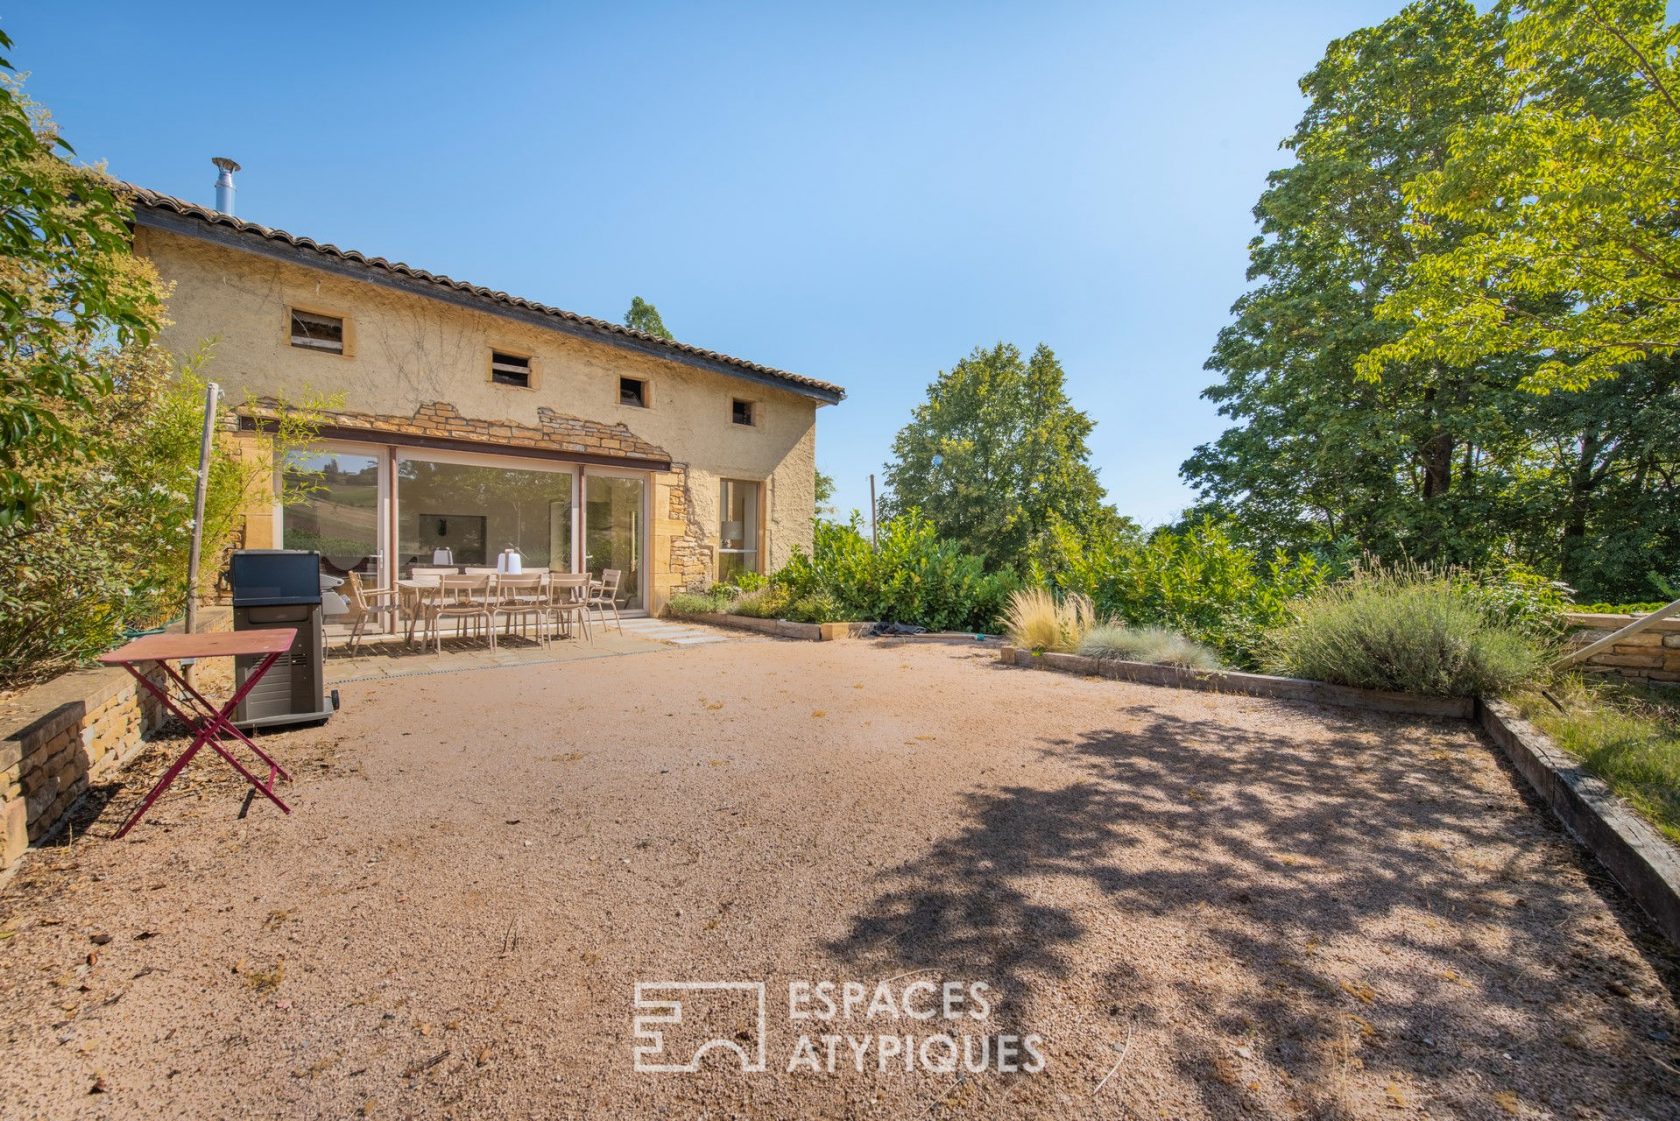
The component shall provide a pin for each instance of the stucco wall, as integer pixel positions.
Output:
(405, 350)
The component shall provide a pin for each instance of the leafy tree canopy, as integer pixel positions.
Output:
(70, 289)
(995, 454)
(644, 317)
(1447, 457)
(1554, 225)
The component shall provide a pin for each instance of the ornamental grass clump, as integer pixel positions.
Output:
(1405, 629)
(1037, 620)
(1155, 645)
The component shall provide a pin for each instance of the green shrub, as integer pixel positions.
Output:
(1196, 581)
(107, 548)
(818, 607)
(1406, 629)
(696, 603)
(770, 602)
(1155, 645)
(912, 576)
(1520, 598)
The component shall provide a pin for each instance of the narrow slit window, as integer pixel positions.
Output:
(510, 369)
(633, 391)
(743, 412)
(317, 332)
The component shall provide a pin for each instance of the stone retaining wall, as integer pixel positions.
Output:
(67, 734)
(1652, 655)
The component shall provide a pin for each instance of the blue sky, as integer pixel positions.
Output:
(860, 193)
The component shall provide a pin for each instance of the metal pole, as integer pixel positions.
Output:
(210, 393)
(872, 510)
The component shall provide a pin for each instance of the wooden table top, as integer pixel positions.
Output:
(216, 644)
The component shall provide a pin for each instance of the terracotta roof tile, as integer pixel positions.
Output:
(147, 199)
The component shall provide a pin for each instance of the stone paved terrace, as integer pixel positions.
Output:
(391, 656)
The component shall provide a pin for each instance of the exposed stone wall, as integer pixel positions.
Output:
(66, 735)
(554, 431)
(683, 554)
(1652, 655)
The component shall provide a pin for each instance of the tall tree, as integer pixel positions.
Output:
(996, 454)
(644, 317)
(1400, 465)
(1553, 228)
(70, 289)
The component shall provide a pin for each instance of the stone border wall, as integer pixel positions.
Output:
(67, 734)
(1651, 656)
(1637, 857)
(781, 628)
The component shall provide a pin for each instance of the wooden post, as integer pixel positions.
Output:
(210, 393)
(872, 510)
(1610, 640)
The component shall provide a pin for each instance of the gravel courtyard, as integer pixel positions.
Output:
(1205, 907)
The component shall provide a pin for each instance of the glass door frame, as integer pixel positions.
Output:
(404, 452)
(385, 507)
(646, 536)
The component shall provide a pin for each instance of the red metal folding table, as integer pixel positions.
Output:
(208, 723)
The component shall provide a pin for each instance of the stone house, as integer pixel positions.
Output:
(464, 420)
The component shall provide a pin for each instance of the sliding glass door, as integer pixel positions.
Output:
(462, 508)
(613, 522)
(334, 506)
(465, 512)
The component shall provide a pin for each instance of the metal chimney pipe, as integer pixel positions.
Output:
(224, 183)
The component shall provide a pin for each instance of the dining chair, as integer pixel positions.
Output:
(603, 593)
(461, 598)
(365, 604)
(517, 597)
(568, 602)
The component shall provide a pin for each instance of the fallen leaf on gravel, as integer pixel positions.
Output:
(1507, 1101)
(483, 1056)
(99, 939)
(818, 714)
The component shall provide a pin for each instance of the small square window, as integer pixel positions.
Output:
(317, 332)
(510, 369)
(633, 391)
(743, 412)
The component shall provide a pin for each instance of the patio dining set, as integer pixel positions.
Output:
(481, 603)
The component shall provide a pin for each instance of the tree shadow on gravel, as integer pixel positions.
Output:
(1367, 905)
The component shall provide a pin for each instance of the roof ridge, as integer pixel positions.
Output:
(157, 200)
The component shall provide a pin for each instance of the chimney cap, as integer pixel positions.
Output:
(224, 163)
